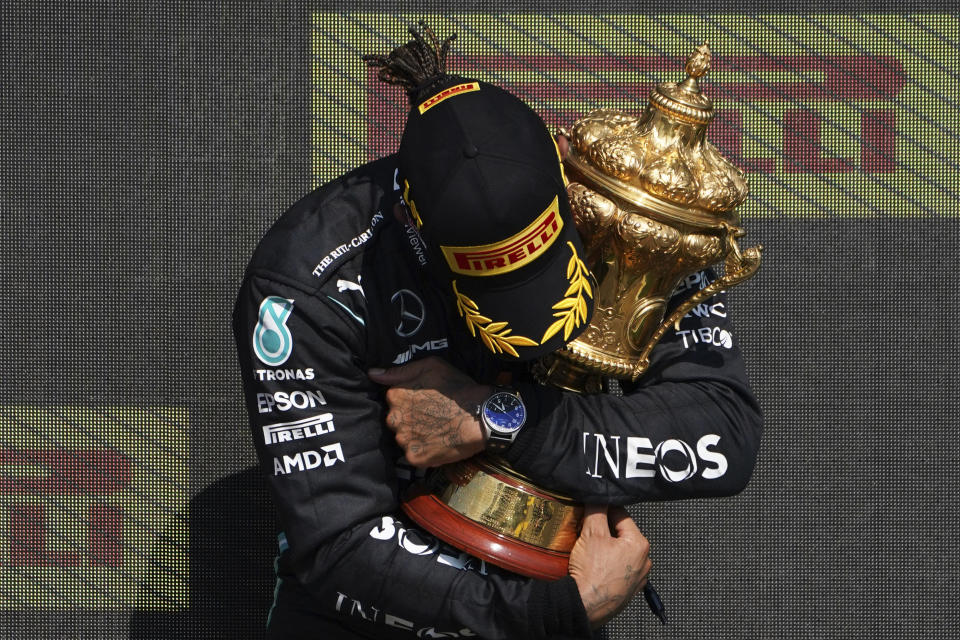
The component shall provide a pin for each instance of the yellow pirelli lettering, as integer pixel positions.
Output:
(510, 253)
(449, 92)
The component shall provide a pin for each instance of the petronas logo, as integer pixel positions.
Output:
(272, 341)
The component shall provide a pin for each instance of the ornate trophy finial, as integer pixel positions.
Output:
(698, 64)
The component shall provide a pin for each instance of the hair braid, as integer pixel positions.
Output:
(416, 65)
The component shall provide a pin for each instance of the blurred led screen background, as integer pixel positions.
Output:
(146, 147)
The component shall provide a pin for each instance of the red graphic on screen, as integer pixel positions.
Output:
(863, 82)
(56, 472)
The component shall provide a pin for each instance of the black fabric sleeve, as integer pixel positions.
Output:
(689, 428)
(316, 421)
(427, 587)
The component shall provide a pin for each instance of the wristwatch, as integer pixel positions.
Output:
(502, 416)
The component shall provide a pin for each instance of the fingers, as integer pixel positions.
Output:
(397, 375)
(622, 524)
(563, 146)
(624, 528)
(394, 420)
(426, 368)
(595, 523)
(646, 572)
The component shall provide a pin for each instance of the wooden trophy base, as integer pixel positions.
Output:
(483, 507)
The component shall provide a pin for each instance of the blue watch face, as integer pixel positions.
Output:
(504, 412)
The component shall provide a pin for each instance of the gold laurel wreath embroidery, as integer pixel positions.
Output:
(495, 335)
(572, 310)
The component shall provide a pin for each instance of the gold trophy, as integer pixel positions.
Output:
(654, 202)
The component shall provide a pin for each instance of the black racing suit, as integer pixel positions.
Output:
(337, 286)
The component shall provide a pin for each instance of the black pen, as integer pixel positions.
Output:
(654, 602)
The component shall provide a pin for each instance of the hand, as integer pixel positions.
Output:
(608, 569)
(432, 411)
(563, 145)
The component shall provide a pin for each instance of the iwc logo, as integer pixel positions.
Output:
(272, 341)
(411, 312)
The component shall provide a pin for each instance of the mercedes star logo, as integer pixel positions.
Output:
(412, 312)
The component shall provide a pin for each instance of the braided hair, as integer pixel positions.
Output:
(416, 66)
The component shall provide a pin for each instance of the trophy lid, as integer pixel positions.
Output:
(684, 101)
(661, 162)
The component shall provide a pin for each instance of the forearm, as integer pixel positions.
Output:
(689, 428)
(385, 579)
(668, 442)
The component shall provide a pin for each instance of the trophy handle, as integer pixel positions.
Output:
(738, 267)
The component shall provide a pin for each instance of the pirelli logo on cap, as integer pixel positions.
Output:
(449, 92)
(511, 253)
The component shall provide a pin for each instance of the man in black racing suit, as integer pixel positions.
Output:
(340, 285)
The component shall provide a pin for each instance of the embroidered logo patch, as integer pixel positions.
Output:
(511, 253)
(572, 309)
(272, 342)
(449, 92)
(496, 336)
(411, 205)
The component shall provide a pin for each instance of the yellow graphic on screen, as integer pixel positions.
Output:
(829, 115)
(94, 508)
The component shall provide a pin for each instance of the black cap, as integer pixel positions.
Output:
(482, 177)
